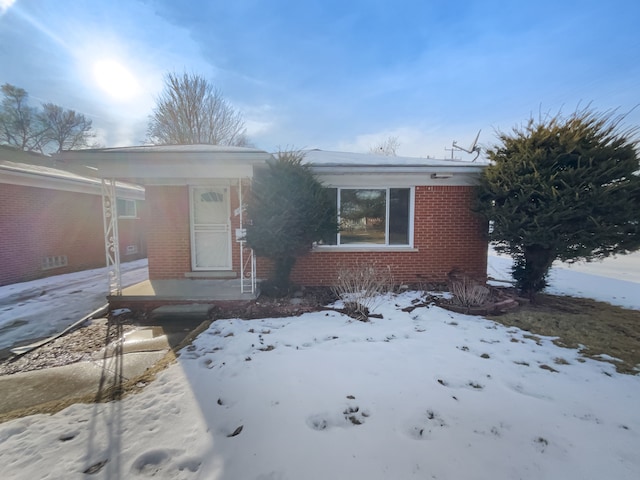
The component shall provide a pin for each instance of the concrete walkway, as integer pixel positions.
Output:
(140, 350)
(29, 389)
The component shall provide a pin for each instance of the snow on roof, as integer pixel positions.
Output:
(198, 148)
(198, 161)
(44, 171)
(321, 158)
(12, 161)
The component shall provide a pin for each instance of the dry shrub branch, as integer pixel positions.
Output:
(466, 291)
(361, 287)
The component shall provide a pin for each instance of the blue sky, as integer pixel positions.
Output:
(330, 74)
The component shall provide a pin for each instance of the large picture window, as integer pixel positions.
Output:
(372, 216)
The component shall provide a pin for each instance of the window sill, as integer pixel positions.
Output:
(363, 248)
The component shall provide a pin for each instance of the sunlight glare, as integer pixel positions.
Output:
(115, 79)
(6, 5)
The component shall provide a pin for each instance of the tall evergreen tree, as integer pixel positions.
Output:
(289, 210)
(562, 188)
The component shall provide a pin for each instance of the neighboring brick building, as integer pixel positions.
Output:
(423, 227)
(51, 220)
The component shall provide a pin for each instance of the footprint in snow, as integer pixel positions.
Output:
(473, 385)
(152, 462)
(425, 425)
(351, 415)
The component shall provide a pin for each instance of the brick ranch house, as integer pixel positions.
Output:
(51, 220)
(423, 227)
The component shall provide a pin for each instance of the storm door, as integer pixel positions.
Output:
(210, 228)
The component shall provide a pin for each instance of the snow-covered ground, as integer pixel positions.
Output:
(40, 308)
(614, 280)
(428, 394)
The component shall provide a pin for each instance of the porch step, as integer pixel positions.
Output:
(210, 274)
(192, 311)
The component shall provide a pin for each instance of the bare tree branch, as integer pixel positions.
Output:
(30, 128)
(65, 129)
(190, 110)
(19, 125)
(386, 147)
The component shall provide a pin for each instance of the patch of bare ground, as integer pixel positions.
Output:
(597, 328)
(79, 345)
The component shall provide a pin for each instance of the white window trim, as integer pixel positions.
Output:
(135, 208)
(370, 247)
(362, 247)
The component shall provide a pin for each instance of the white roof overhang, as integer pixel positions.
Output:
(356, 169)
(201, 164)
(19, 174)
(164, 165)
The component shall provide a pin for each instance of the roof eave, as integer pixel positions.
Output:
(388, 169)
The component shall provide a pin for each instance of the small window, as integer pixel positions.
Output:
(372, 217)
(127, 208)
(55, 261)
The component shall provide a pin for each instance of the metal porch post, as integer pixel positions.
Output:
(242, 242)
(111, 238)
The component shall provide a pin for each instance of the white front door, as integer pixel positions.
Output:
(210, 228)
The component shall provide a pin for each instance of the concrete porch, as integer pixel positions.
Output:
(156, 293)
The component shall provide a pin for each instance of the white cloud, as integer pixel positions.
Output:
(423, 141)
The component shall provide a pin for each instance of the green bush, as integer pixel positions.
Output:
(289, 210)
(562, 188)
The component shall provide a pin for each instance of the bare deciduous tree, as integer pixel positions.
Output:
(190, 111)
(64, 129)
(51, 128)
(386, 147)
(19, 125)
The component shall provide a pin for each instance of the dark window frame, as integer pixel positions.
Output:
(398, 218)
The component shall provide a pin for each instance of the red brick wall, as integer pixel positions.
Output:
(447, 236)
(169, 241)
(38, 222)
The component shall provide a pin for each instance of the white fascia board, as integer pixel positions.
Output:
(163, 164)
(139, 173)
(191, 181)
(388, 169)
(185, 175)
(390, 179)
(129, 193)
(88, 186)
(50, 183)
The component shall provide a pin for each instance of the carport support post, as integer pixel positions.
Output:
(111, 239)
(242, 243)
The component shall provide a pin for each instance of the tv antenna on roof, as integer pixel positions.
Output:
(474, 148)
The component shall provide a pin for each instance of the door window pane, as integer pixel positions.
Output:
(210, 205)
